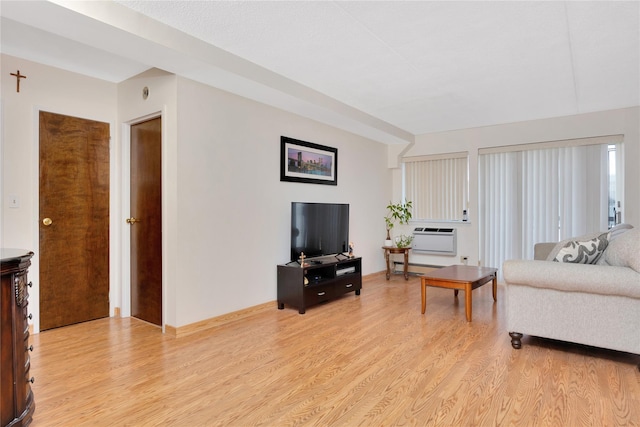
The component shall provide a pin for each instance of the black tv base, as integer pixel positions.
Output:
(302, 287)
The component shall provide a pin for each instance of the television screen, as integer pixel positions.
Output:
(319, 229)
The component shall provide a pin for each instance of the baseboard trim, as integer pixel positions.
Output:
(373, 275)
(414, 268)
(218, 321)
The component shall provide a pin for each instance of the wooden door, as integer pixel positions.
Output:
(74, 220)
(146, 221)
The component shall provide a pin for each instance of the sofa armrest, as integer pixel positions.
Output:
(568, 277)
(542, 250)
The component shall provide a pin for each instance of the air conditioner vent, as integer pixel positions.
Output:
(436, 241)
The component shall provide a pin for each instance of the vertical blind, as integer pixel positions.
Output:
(541, 193)
(437, 185)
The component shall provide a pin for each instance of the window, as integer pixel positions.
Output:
(544, 193)
(615, 205)
(438, 186)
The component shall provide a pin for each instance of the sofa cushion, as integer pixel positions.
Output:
(583, 251)
(625, 251)
(569, 277)
(614, 233)
(618, 230)
(542, 250)
(561, 244)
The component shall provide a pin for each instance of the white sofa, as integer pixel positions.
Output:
(592, 304)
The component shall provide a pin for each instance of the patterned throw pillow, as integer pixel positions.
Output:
(583, 252)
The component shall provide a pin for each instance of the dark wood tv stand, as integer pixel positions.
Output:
(324, 281)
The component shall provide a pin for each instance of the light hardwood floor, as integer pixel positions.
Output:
(371, 359)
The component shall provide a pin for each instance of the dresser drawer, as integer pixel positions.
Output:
(317, 294)
(349, 283)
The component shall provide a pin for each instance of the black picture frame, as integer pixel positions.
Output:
(306, 162)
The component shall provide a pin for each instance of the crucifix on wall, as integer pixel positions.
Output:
(18, 76)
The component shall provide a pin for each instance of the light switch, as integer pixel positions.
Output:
(14, 201)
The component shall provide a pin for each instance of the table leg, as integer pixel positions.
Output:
(386, 257)
(406, 264)
(467, 301)
(495, 288)
(455, 292)
(423, 288)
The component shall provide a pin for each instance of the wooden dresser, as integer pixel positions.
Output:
(16, 398)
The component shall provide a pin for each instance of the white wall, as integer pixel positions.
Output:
(46, 89)
(226, 215)
(623, 121)
(233, 211)
(132, 108)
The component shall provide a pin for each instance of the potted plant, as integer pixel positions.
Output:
(403, 241)
(396, 212)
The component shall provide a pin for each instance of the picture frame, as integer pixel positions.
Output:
(306, 162)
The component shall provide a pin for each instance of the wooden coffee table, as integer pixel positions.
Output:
(459, 277)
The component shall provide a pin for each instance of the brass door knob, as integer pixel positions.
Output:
(132, 220)
(47, 221)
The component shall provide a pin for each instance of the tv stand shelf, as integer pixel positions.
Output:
(324, 281)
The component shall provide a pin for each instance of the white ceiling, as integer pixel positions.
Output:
(385, 70)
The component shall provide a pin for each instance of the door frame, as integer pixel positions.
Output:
(114, 209)
(125, 296)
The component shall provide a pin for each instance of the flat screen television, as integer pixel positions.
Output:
(319, 229)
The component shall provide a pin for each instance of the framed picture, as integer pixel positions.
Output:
(307, 162)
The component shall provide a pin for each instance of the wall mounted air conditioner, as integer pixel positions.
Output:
(436, 241)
